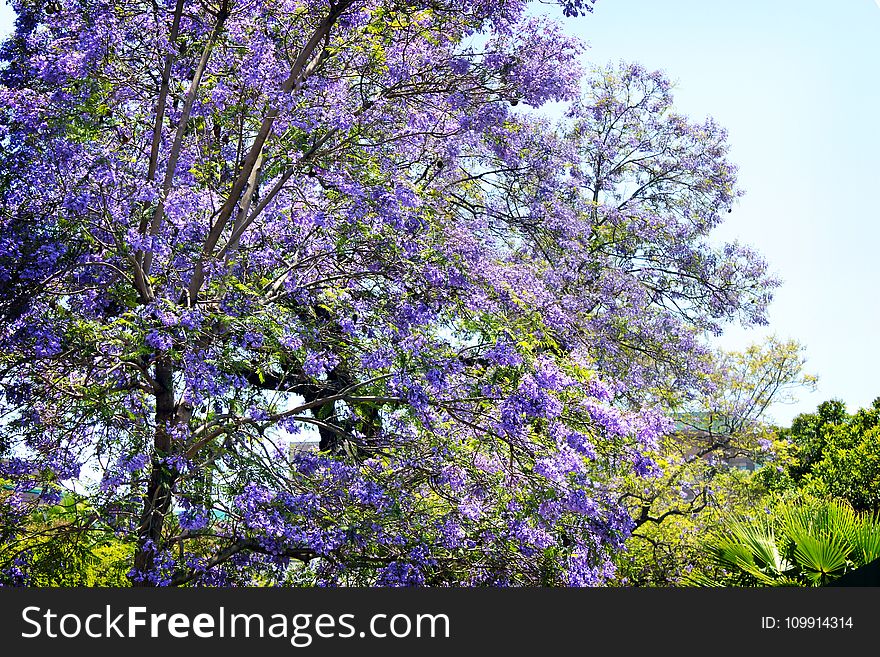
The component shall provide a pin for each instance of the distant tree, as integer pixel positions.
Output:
(809, 434)
(837, 454)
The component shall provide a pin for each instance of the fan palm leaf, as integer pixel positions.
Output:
(822, 559)
(866, 543)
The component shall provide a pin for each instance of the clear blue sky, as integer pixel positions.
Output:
(797, 85)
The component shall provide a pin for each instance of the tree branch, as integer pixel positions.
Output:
(293, 81)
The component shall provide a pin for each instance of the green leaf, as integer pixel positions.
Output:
(822, 558)
(866, 543)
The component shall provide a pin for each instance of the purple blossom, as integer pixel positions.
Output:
(158, 340)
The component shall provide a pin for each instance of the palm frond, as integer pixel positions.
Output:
(822, 558)
(866, 543)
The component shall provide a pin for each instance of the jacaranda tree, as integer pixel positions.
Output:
(230, 225)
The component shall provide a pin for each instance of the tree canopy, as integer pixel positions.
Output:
(834, 453)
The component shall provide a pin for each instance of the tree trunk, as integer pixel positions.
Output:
(157, 500)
